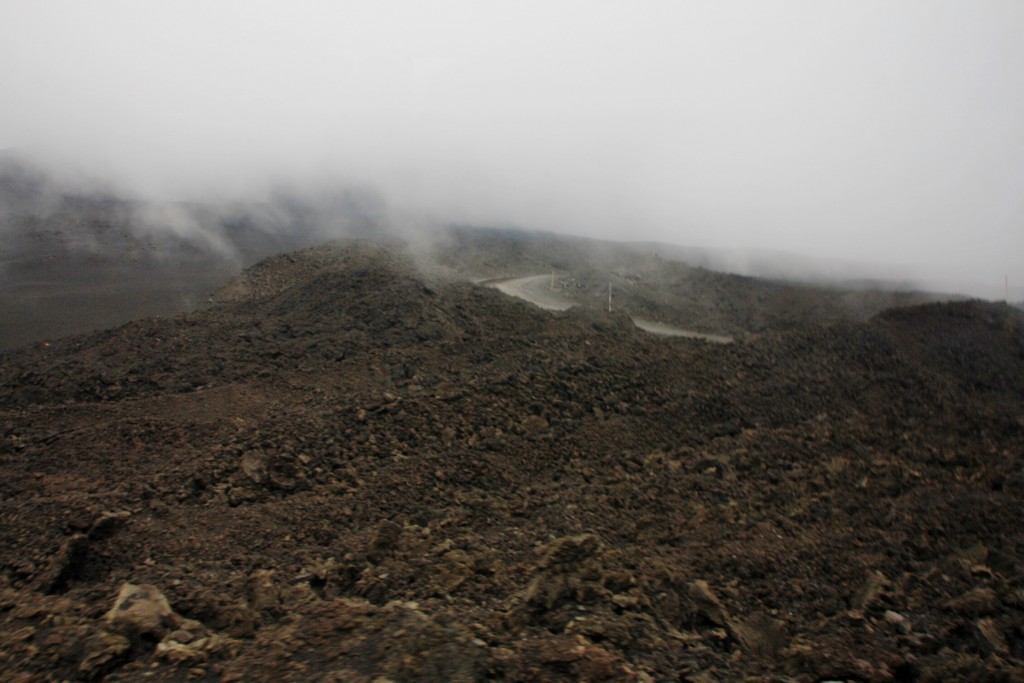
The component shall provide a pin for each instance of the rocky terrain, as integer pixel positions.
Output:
(665, 290)
(351, 467)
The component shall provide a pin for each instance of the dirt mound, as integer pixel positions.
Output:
(980, 343)
(345, 470)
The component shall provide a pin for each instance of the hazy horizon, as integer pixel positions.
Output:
(871, 132)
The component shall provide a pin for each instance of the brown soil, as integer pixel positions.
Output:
(346, 470)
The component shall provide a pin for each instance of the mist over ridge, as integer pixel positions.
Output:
(877, 134)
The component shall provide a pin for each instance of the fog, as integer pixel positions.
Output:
(881, 133)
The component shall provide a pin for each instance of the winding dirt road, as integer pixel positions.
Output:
(533, 288)
(536, 289)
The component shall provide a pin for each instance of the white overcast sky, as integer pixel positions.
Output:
(889, 131)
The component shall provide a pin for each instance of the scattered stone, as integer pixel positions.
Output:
(254, 466)
(385, 540)
(342, 637)
(179, 653)
(283, 473)
(899, 621)
(107, 523)
(65, 565)
(760, 635)
(581, 659)
(568, 552)
(568, 572)
(264, 594)
(873, 587)
(181, 636)
(991, 638)
(707, 603)
(103, 649)
(975, 603)
(625, 601)
(535, 424)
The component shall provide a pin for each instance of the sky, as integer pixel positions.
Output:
(887, 132)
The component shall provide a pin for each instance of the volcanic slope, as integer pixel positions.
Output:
(665, 290)
(348, 471)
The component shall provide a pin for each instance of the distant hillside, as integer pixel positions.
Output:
(75, 257)
(648, 285)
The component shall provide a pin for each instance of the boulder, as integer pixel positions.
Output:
(141, 611)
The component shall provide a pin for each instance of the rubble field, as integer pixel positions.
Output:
(350, 468)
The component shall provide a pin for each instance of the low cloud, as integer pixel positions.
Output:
(873, 132)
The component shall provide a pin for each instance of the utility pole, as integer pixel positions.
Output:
(609, 297)
(552, 279)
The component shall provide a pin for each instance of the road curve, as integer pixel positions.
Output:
(533, 288)
(537, 290)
